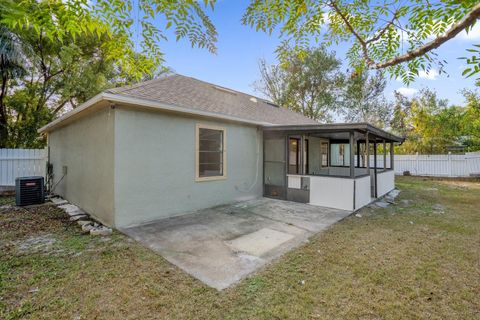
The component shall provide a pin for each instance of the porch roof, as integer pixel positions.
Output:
(362, 127)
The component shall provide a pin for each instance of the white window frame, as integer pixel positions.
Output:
(197, 153)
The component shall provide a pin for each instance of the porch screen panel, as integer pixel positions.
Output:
(340, 154)
(274, 166)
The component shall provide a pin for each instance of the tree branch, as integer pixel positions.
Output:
(458, 27)
(362, 42)
(382, 32)
(455, 29)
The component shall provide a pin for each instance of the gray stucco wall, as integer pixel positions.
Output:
(86, 148)
(155, 166)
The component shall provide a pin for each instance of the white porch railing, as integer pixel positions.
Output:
(21, 163)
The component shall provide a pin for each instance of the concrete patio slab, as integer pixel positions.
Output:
(222, 245)
(259, 242)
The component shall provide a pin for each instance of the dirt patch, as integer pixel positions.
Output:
(35, 244)
(18, 222)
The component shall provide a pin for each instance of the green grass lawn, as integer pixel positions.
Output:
(418, 259)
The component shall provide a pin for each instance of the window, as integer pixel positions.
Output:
(324, 153)
(211, 153)
(340, 154)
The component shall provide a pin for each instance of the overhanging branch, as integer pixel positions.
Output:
(458, 27)
(455, 29)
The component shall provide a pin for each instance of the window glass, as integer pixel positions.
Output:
(293, 155)
(324, 153)
(340, 154)
(210, 157)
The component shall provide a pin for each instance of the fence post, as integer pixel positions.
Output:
(450, 169)
(417, 165)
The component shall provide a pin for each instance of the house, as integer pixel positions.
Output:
(173, 145)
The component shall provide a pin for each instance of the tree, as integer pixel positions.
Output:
(430, 125)
(11, 66)
(122, 24)
(60, 76)
(81, 47)
(471, 120)
(396, 35)
(401, 113)
(364, 101)
(310, 86)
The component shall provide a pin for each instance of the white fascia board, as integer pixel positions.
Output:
(83, 106)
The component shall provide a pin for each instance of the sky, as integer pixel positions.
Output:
(240, 47)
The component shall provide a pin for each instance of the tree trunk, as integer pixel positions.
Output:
(3, 115)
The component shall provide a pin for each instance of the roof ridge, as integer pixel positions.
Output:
(122, 89)
(234, 90)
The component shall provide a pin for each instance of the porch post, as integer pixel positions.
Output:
(302, 153)
(352, 155)
(391, 155)
(367, 149)
(384, 155)
(358, 153)
(375, 165)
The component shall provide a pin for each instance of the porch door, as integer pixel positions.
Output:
(324, 159)
(274, 173)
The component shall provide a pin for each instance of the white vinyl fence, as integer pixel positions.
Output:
(21, 163)
(442, 165)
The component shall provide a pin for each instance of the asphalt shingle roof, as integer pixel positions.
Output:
(195, 94)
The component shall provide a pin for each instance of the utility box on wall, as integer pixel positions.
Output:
(29, 190)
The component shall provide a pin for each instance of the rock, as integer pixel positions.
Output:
(393, 194)
(439, 208)
(382, 204)
(58, 201)
(78, 217)
(72, 210)
(358, 215)
(84, 222)
(101, 231)
(87, 227)
(411, 222)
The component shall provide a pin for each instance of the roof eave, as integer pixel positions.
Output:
(363, 126)
(145, 103)
(87, 104)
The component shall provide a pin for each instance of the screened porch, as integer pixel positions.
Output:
(342, 166)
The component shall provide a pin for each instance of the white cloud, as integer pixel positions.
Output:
(407, 92)
(431, 74)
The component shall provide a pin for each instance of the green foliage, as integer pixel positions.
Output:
(381, 34)
(473, 63)
(310, 86)
(56, 75)
(364, 100)
(73, 49)
(316, 87)
(431, 126)
(119, 23)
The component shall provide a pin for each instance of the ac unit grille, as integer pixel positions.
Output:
(29, 190)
